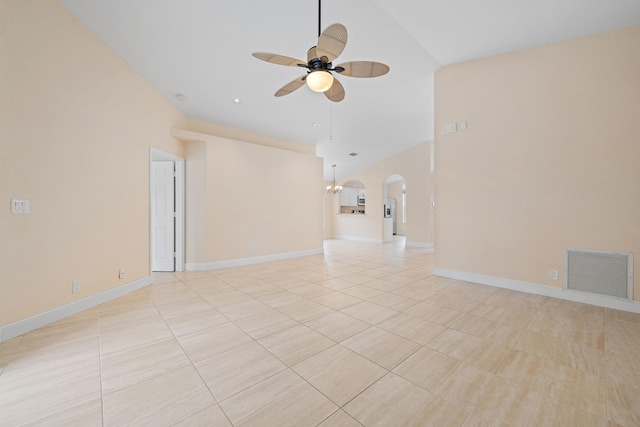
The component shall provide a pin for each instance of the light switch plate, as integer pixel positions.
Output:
(447, 129)
(19, 206)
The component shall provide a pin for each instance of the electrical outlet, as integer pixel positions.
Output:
(253, 249)
(553, 274)
(75, 288)
(121, 273)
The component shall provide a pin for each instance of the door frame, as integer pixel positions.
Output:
(155, 155)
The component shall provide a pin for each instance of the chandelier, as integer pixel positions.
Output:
(333, 188)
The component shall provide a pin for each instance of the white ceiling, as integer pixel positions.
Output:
(202, 49)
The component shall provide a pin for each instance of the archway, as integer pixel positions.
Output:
(352, 198)
(395, 207)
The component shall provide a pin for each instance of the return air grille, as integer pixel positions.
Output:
(605, 273)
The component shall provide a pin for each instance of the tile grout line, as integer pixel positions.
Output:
(193, 365)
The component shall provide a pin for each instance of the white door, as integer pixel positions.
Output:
(163, 216)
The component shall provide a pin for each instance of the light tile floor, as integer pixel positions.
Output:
(363, 335)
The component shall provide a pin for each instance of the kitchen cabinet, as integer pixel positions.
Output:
(349, 196)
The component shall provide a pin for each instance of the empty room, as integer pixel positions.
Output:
(432, 217)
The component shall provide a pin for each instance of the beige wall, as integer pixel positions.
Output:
(328, 212)
(242, 195)
(76, 124)
(549, 160)
(414, 166)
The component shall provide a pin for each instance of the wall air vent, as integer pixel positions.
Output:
(599, 272)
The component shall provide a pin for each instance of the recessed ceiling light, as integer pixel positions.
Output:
(353, 154)
(237, 101)
(316, 125)
(180, 97)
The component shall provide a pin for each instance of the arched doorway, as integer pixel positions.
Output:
(395, 207)
(353, 198)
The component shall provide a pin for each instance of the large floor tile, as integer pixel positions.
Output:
(336, 300)
(265, 323)
(567, 415)
(31, 391)
(161, 401)
(474, 325)
(305, 310)
(412, 328)
(362, 292)
(623, 404)
(505, 314)
(392, 401)
(136, 335)
(585, 358)
(237, 369)
(394, 301)
(369, 312)
(189, 323)
(339, 373)
(85, 414)
(623, 369)
(296, 344)
(46, 356)
(282, 400)
(455, 344)
(573, 327)
(413, 291)
(464, 386)
(381, 347)
(337, 326)
(489, 357)
(60, 333)
(129, 367)
(340, 419)
(427, 368)
(434, 313)
(211, 416)
(170, 293)
(243, 309)
(120, 318)
(211, 341)
(181, 307)
(507, 403)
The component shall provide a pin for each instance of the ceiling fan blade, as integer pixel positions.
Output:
(279, 59)
(363, 69)
(332, 42)
(312, 54)
(291, 86)
(336, 92)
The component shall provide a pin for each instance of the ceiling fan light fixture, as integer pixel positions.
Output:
(319, 81)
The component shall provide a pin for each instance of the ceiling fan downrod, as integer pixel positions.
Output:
(319, 18)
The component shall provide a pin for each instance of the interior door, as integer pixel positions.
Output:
(163, 220)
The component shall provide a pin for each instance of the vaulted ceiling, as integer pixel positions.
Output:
(202, 50)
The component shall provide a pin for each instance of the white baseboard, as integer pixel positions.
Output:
(29, 324)
(205, 266)
(548, 291)
(420, 245)
(358, 239)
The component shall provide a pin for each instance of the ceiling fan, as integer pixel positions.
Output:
(319, 77)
